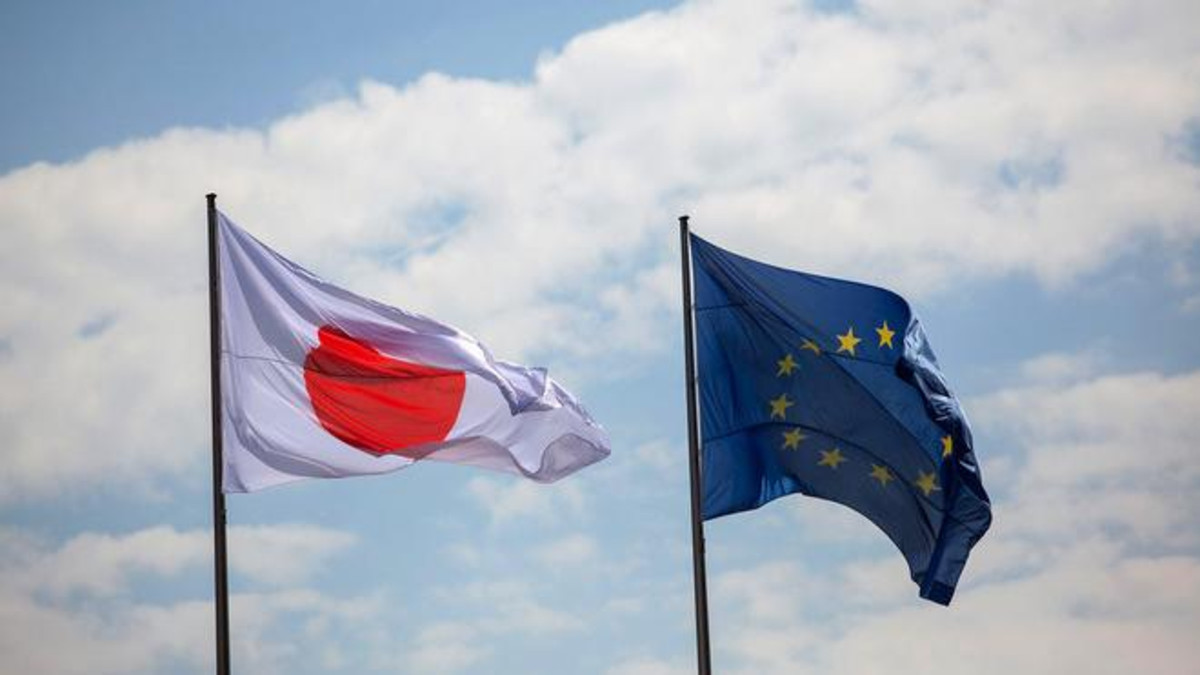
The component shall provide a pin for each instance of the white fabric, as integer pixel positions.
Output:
(512, 418)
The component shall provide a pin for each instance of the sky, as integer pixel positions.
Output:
(1026, 174)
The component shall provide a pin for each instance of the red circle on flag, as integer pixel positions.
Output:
(376, 403)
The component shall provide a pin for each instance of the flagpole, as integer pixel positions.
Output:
(220, 574)
(699, 576)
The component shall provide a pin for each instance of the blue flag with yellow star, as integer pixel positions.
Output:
(829, 388)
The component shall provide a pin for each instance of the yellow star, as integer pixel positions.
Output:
(786, 365)
(791, 439)
(927, 482)
(881, 474)
(848, 342)
(885, 335)
(831, 458)
(947, 446)
(779, 406)
(811, 346)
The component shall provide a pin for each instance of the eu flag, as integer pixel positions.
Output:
(830, 388)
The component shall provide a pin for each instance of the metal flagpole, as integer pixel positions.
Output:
(699, 575)
(220, 574)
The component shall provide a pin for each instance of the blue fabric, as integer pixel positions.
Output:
(866, 424)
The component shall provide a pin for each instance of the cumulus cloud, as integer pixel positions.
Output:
(284, 554)
(73, 608)
(511, 502)
(1111, 453)
(1081, 612)
(917, 145)
(39, 638)
(1093, 564)
(923, 145)
(101, 564)
(1060, 367)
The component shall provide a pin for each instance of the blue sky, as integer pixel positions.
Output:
(1027, 176)
(98, 75)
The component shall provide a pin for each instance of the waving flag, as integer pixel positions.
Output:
(829, 388)
(321, 383)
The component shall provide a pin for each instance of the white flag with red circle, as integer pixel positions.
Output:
(318, 382)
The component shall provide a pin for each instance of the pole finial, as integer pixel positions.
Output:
(683, 220)
(212, 198)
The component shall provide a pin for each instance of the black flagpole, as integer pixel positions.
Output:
(220, 575)
(699, 576)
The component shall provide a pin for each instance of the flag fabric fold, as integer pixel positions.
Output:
(830, 388)
(318, 382)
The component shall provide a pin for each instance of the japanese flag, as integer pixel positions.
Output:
(320, 383)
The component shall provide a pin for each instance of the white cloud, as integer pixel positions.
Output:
(1082, 610)
(501, 614)
(131, 636)
(569, 551)
(74, 608)
(648, 666)
(508, 606)
(47, 639)
(284, 554)
(1112, 452)
(104, 565)
(445, 648)
(759, 588)
(1061, 367)
(915, 146)
(1092, 565)
(511, 501)
(661, 456)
